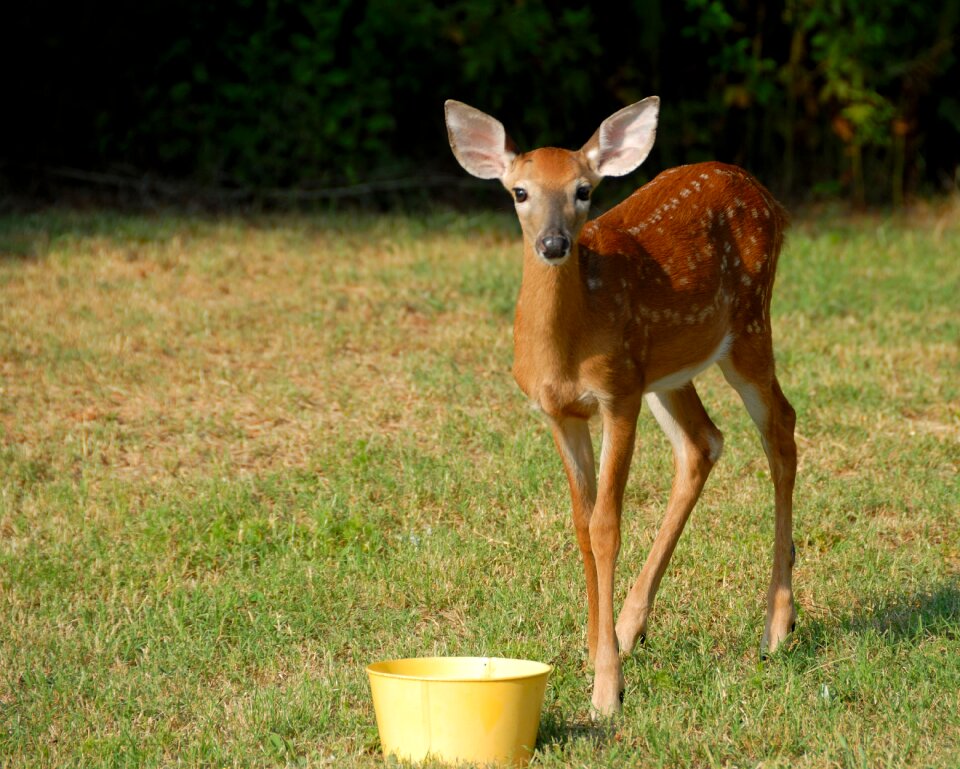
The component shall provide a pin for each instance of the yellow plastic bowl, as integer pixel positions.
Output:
(483, 710)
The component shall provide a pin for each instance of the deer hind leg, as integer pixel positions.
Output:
(775, 419)
(697, 444)
(572, 437)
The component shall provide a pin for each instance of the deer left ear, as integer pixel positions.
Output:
(623, 140)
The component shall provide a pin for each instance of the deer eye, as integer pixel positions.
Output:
(583, 192)
(519, 194)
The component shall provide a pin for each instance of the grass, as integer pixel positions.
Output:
(241, 459)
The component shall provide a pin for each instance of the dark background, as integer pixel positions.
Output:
(320, 100)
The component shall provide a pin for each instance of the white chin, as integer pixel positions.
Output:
(553, 262)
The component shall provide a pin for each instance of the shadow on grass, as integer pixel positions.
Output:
(31, 236)
(23, 246)
(933, 612)
(905, 617)
(557, 731)
(896, 617)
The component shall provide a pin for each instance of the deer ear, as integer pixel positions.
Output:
(623, 140)
(479, 142)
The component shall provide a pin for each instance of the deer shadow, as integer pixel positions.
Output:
(558, 730)
(930, 612)
(894, 616)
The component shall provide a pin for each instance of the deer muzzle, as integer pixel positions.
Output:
(553, 246)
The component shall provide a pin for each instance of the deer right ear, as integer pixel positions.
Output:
(479, 142)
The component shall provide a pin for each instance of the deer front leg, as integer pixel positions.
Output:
(572, 437)
(619, 431)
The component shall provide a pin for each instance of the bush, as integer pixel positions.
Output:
(814, 95)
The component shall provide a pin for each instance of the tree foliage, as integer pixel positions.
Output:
(834, 96)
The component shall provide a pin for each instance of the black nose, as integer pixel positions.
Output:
(554, 246)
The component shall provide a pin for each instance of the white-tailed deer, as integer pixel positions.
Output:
(630, 307)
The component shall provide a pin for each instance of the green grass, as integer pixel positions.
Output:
(241, 459)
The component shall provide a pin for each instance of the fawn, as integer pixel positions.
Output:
(630, 307)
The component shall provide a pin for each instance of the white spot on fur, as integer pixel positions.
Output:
(577, 449)
(671, 428)
(750, 396)
(715, 439)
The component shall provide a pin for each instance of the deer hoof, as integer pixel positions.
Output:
(600, 713)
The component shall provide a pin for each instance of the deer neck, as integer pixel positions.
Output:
(550, 314)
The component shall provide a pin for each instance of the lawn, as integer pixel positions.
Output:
(242, 458)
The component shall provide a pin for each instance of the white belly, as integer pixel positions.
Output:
(680, 378)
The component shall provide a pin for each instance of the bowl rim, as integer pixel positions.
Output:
(543, 669)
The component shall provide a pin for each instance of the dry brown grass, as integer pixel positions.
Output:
(217, 346)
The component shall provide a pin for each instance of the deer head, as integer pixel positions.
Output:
(552, 187)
